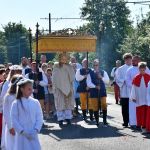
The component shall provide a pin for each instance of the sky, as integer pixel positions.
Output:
(29, 12)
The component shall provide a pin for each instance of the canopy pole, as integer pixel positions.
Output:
(87, 57)
(37, 43)
(87, 96)
(50, 23)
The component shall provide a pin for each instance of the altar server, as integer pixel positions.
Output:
(139, 95)
(124, 92)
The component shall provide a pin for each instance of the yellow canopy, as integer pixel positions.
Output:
(66, 44)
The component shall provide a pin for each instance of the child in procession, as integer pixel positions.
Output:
(27, 117)
(139, 95)
(8, 100)
(76, 94)
(50, 105)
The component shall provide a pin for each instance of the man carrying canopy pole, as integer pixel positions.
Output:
(96, 81)
(81, 76)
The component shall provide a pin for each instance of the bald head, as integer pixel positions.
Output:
(73, 59)
(84, 63)
(118, 63)
(24, 61)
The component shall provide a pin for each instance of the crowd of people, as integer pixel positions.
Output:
(31, 93)
(132, 87)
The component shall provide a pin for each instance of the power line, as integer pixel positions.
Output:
(79, 18)
(140, 2)
(111, 3)
(62, 18)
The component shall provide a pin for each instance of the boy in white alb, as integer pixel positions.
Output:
(139, 94)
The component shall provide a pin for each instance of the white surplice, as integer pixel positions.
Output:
(9, 139)
(139, 93)
(26, 115)
(121, 80)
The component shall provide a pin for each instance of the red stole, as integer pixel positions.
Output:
(137, 79)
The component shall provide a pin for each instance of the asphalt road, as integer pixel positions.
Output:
(86, 136)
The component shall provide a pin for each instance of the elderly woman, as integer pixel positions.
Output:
(63, 77)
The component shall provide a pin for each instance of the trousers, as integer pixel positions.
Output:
(125, 110)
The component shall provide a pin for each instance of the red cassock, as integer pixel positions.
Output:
(148, 119)
(142, 108)
(141, 115)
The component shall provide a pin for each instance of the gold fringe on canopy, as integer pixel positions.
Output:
(66, 44)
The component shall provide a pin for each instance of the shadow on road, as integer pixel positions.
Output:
(82, 131)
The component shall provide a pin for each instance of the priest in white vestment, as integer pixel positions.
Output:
(63, 77)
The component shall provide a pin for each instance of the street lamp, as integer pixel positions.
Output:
(37, 43)
(30, 42)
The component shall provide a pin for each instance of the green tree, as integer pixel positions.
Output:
(113, 16)
(16, 41)
(138, 42)
(3, 50)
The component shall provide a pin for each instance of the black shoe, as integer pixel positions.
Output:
(133, 127)
(68, 121)
(61, 123)
(125, 125)
(84, 114)
(91, 118)
(91, 115)
(97, 124)
(105, 124)
(101, 113)
(138, 128)
(44, 126)
(96, 115)
(105, 117)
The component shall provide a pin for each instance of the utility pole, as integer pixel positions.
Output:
(50, 30)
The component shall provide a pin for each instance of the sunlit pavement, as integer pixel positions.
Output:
(86, 136)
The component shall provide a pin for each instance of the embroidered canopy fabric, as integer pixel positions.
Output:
(66, 44)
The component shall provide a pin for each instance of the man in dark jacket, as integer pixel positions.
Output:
(81, 76)
(96, 81)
